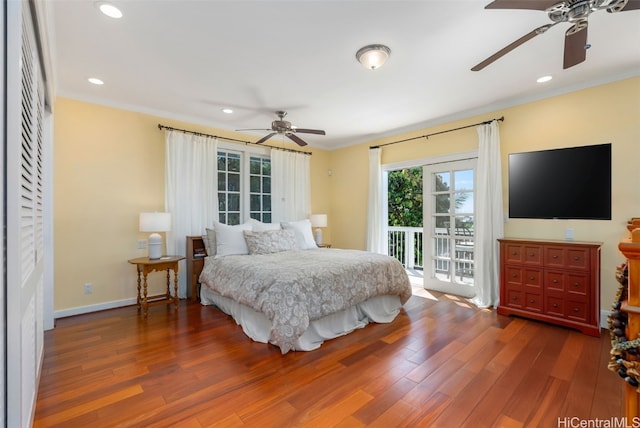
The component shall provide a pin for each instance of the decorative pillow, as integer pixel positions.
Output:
(259, 226)
(304, 236)
(210, 242)
(230, 240)
(270, 241)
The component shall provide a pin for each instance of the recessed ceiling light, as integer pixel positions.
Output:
(110, 10)
(95, 81)
(544, 79)
(227, 110)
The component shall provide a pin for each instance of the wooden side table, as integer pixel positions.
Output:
(145, 265)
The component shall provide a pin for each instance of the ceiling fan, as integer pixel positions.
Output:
(285, 128)
(575, 12)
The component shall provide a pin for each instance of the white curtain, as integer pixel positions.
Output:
(290, 186)
(489, 223)
(191, 190)
(376, 236)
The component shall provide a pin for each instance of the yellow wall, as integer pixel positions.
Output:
(603, 114)
(109, 167)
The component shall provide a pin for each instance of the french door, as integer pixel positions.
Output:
(448, 218)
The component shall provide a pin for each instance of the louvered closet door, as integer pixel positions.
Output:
(24, 198)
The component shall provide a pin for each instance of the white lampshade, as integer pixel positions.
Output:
(155, 222)
(373, 56)
(318, 220)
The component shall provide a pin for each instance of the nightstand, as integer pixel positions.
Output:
(144, 266)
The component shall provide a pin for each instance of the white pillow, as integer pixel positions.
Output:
(230, 239)
(259, 226)
(304, 236)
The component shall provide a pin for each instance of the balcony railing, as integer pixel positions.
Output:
(405, 244)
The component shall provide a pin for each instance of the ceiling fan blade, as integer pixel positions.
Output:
(254, 129)
(575, 47)
(512, 46)
(522, 4)
(265, 138)
(299, 141)
(631, 5)
(310, 131)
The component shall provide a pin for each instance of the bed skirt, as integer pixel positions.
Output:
(379, 309)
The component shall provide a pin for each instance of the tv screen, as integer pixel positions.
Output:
(568, 183)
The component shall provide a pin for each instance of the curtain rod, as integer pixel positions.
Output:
(486, 122)
(160, 126)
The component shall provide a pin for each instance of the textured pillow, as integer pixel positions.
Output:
(304, 236)
(230, 240)
(210, 242)
(259, 226)
(270, 241)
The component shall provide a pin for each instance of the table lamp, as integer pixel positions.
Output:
(318, 221)
(155, 222)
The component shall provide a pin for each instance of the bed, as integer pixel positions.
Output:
(294, 295)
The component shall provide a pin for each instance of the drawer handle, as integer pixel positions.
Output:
(532, 255)
(515, 275)
(514, 298)
(576, 258)
(555, 305)
(532, 301)
(531, 278)
(554, 256)
(576, 309)
(515, 253)
(577, 284)
(555, 281)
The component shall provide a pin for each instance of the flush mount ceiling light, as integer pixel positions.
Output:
(544, 79)
(110, 10)
(373, 56)
(227, 110)
(95, 81)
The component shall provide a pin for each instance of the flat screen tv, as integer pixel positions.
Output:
(567, 183)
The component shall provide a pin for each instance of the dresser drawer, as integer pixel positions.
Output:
(532, 301)
(523, 253)
(566, 258)
(532, 277)
(576, 310)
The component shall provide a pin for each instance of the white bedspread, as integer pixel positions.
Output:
(293, 288)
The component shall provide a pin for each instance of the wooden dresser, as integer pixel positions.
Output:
(195, 262)
(552, 281)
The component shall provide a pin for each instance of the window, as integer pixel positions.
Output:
(244, 187)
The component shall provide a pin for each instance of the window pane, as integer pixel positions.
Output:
(254, 184)
(266, 203)
(254, 166)
(255, 203)
(233, 182)
(222, 181)
(463, 180)
(234, 202)
(442, 204)
(222, 202)
(442, 181)
(222, 218)
(222, 162)
(464, 202)
(234, 162)
(266, 184)
(266, 167)
(233, 218)
(266, 218)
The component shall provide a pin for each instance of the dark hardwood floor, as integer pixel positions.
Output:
(442, 362)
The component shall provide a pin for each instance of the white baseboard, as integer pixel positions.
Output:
(93, 308)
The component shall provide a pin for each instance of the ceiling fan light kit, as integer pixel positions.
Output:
(373, 56)
(574, 12)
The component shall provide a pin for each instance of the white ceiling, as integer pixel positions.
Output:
(187, 60)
